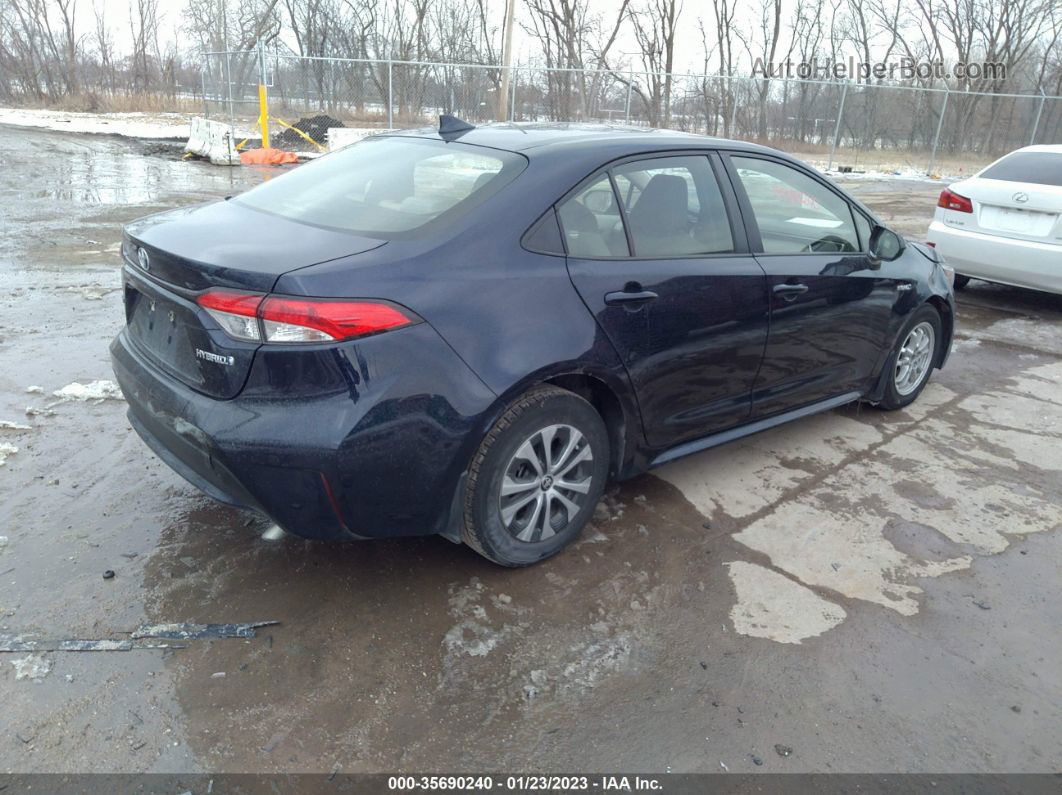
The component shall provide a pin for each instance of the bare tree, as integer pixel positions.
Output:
(654, 24)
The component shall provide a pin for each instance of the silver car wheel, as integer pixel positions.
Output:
(546, 483)
(915, 358)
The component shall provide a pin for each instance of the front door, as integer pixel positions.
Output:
(830, 304)
(655, 257)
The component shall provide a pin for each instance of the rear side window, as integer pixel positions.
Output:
(795, 213)
(591, 222)
(387, 187)
(1039, 168)
(674, 207)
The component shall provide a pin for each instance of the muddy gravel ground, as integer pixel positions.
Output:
(860, 591)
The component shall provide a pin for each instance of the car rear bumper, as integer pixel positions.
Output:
(1022, 263)
(368, 439)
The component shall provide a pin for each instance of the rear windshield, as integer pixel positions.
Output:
(1039, 168)
(387, 187)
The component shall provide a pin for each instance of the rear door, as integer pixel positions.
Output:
(656, 254)
(830, 304)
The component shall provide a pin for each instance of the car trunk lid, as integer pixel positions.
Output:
(173, 257)
(1017, 210)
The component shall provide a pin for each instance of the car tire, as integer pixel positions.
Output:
(912, 359)
(530, 451)
(961, 281)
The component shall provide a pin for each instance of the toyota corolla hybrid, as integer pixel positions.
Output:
(469, 331)
(1004, 224)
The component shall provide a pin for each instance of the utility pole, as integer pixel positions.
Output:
(507, 61)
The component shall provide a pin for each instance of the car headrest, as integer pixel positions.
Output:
(663, 206)
(581, 230)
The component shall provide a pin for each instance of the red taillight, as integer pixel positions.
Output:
(309, 320)
(236, 313)
(953, 201)
(273, 318)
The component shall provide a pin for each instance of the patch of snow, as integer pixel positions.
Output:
(5, 451)
(7, 425)
(172, 126)
(35, 390)
(34, 666)
(130, 125)
(95, 390)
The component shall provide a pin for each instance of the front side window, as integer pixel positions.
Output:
(591, 222)
(387, 187)
(674, 207)
(795, 213)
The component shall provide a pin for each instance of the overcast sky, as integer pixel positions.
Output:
(688, 53)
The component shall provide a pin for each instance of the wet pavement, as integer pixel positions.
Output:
(877, 592)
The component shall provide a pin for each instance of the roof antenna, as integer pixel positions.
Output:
(451, 124)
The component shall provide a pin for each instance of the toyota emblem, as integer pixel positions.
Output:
(143, 258)
(1021, 197)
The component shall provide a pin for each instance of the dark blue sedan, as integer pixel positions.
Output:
(469, 331)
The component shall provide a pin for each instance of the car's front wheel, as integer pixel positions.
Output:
(961, 281)
(536, 478)
(913, 358)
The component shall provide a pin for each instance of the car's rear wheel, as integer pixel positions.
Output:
(913, 358)
(961, 281)
(536, 478)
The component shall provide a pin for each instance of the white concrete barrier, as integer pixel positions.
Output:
(196, 137)
(338, 137)
(214, 141)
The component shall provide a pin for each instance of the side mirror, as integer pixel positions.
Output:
(886, 244)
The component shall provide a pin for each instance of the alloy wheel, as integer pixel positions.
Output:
(915, 358)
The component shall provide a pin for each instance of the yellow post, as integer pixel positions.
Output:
(263, 115)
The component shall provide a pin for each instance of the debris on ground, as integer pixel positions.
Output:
(17, 643)
(783, 750)
(268, 157)
(33, 411)
(96, 391)
(316, 127)
(109, 574)
(35, 390)
(194, 631)
(93, 292)
(5, 451)
(34, 667)
(7, 425)
(139, 639)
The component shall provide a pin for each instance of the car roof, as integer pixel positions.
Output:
(1045, 148)
(539, 138)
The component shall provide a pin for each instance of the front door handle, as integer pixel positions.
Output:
(790, 291)
(629, 297)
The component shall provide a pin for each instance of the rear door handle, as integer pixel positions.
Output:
(625, 297)
(790, 291)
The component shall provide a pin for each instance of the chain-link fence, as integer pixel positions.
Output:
(861, 127)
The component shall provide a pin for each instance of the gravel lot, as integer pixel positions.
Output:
(873, 592)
